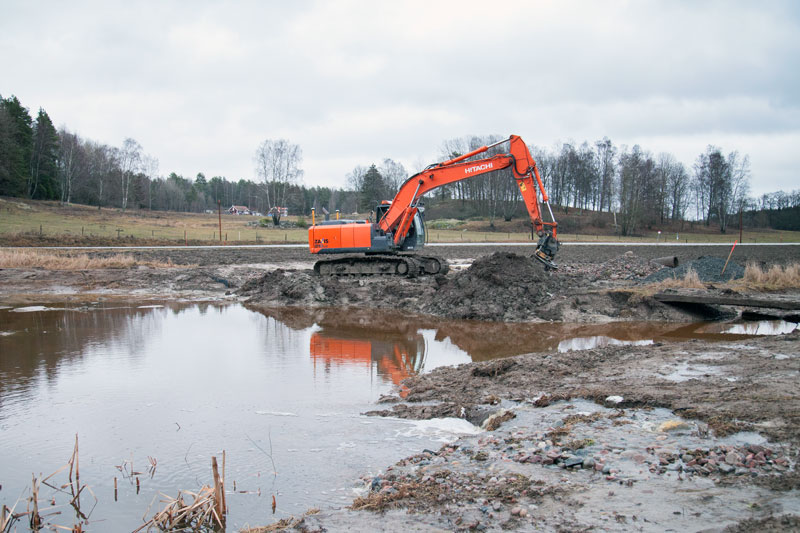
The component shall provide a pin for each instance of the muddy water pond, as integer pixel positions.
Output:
(154, 391)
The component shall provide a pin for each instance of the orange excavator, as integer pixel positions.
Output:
(383, 247)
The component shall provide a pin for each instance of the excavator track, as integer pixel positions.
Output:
(408, 266)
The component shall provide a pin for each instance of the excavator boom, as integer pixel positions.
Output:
(400, 228)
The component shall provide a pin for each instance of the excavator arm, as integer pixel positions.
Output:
(397, 219)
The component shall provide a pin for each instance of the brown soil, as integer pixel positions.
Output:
(492, 481)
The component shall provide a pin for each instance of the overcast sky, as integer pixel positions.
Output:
(201, 84)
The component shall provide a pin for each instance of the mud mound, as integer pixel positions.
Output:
(285, 288)
(304, 288)
(707, 268)
(502, 286)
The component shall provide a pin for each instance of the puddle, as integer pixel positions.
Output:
(753, 328)
(587, 343)
(182, 382)
(762, 327)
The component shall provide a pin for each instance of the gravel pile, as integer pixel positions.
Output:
(707, 269)
(624, 267)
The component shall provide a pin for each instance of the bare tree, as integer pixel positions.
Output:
(394, 174)
(150, 169)
(355, 180)
(129, 159)
(606, 170)
(721, 184)
(100, 165)
(636, 170)
(70, 155)
(278, 166)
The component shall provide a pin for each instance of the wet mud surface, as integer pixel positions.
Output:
(690, 436)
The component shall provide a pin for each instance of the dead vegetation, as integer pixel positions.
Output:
(776, 278)
(282, 524)
(756, 278)
(204, 510)
(39, 519)
(689, 281)
(72, 261)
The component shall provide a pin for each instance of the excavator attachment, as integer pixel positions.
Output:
(546, 250)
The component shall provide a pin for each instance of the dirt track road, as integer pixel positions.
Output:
(569, 253)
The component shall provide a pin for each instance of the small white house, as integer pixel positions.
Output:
(239, 210)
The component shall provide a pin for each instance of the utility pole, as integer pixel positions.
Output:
(740, 222)
(219, 214)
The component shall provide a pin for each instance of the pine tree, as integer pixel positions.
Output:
(373, 189)
(43, 177)
(18, 147)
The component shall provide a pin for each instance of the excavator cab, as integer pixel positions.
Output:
(415, 239)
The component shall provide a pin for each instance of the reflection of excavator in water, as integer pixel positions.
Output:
(396, 358)
(401, 228)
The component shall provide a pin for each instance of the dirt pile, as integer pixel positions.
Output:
(707, 268)
(502, 286)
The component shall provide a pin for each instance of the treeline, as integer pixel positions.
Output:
(642, 189)
(40, 162)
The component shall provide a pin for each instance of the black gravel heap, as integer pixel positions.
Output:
(707, 269)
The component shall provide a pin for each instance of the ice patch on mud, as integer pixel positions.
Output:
(681, 372)
(445, 430)
(587, 343)
(150, 307)
(275, 413)
(747, 438)
(34, 309)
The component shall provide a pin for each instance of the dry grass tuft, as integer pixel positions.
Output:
(689, 281)
(776, 278)
(71, 261)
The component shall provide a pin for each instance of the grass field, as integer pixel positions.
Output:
(46, 223)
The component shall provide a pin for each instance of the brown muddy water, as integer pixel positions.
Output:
(179, 383)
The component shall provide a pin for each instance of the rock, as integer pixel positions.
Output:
(573, 460)
(725, 468)
(515, 511)
(497, 505)
(687, 458)
(614, 399)
(733, 458)
(588, 463)
(673, 425)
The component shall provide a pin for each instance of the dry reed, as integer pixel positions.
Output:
(204, 510)
(72, 261)
(38, 519)
(776, 278)
(689, 281)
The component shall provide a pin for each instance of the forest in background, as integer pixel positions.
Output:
(641, 189)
